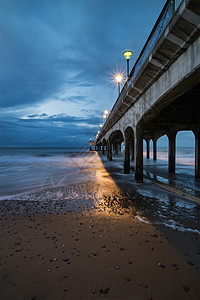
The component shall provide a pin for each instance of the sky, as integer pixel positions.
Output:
(58, 59)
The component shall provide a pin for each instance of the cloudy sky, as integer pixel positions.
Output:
(57, 62)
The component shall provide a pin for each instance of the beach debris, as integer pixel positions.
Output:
(154, 235)
(186, 289)
(104, 291)
(117, 267)
(64, 289)
(65, 259)
(161, 265)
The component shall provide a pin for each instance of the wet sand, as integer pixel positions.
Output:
(100, 238)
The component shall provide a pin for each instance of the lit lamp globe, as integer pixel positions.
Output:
(100, 126)
(105, 112)
(104, 117)
(127, 55)
(118, 78)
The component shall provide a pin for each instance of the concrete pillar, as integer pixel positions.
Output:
(154, 149)
(172, 152)
(90, 148)
(127, 157)
(148, 155)
(139, 156)
(107, 149)
(116, 149)
(197, 153)
(132, 148)
(120, 148)
(110, 151)
(103, 149)
(95, 147)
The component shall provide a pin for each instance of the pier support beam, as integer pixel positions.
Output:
(197, 153)
(127, 157)
(148, 156)
(154, 149)
(139, 155)
(103, 149)
(116, 149)
(172, 151)
(132, 148)
(109, 152)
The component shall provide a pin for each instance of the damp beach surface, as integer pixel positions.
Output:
(97, 234)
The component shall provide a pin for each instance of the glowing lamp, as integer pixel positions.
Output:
(118, 78)
(127, 54)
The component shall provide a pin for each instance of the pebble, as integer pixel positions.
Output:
(161, 265)
(104, 291)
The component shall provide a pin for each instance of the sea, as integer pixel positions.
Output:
(33, 169)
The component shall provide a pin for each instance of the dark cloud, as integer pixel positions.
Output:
(43, 134)
(44, 42)
(65, 51)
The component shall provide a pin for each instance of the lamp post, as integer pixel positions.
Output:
(100, 126)
(118, 78)
(105, 114)
(127, 54)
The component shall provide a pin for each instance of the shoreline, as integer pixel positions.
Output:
(95, 241)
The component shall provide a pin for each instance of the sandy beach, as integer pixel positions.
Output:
(98, 238)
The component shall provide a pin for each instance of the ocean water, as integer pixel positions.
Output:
(184, 155)
(34, 169)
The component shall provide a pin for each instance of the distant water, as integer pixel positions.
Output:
(184, 155)
(30, 169)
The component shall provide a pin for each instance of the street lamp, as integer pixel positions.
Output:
(105, 114)
(127, 54)
(100, 126)
(118, 78)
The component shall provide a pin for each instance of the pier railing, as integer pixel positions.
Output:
(166, 15)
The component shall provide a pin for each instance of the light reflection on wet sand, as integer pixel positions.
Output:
(107, 224)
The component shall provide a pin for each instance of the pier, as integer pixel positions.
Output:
(161, 95)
